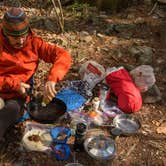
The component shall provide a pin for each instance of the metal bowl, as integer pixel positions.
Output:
(100, 147)
(125, 124)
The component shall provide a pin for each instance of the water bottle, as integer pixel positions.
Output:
(103, 95)
(80, 136)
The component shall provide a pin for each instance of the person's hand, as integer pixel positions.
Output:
(24, 87)
(49, 90)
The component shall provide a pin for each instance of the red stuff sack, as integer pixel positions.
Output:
(121, 84)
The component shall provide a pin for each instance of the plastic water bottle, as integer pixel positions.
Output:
(80, 137)
(103, 95)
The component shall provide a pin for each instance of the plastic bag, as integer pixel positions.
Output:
(111, 111)
(143, 77)
(79, 117)
(92, 72)
(37, 137)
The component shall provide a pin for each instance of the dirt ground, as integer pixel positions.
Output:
(91, 39)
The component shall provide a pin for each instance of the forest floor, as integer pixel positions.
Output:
(90, 36)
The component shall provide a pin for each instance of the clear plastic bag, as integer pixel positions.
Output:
(92, 72)
(37, 137)
(143, 77)
(79, 117)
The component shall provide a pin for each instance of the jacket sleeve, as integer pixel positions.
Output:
(9, 83)
(58, 56)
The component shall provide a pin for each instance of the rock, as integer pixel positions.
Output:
(134, 51)
(143, 54)
(109, 29)
(124, 27)
(87, 39)
(126, 35)
(129, 67)
(50, 24)
(153, 95)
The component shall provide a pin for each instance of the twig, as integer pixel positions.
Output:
(157, 145)
(154, 7)
(59, 17)
(130, 150)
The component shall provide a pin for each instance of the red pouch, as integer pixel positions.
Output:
(121, 84)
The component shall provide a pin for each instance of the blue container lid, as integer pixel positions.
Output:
(62, 151)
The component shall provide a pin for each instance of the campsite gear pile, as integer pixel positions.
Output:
(88, 112)
(44, 138)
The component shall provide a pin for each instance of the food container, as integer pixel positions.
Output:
(125, 124)
(100, 147)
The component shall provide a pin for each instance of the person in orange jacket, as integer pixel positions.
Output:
(20, 51)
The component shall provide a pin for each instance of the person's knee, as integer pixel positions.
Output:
(14, 107)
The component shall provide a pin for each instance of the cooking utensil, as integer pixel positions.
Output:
(124, 124)
(48, 114)
(100, 147)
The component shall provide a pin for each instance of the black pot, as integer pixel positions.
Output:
(48, 114)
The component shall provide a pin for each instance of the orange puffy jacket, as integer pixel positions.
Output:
(18, 65)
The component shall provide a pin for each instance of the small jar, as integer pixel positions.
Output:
(95, 103)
